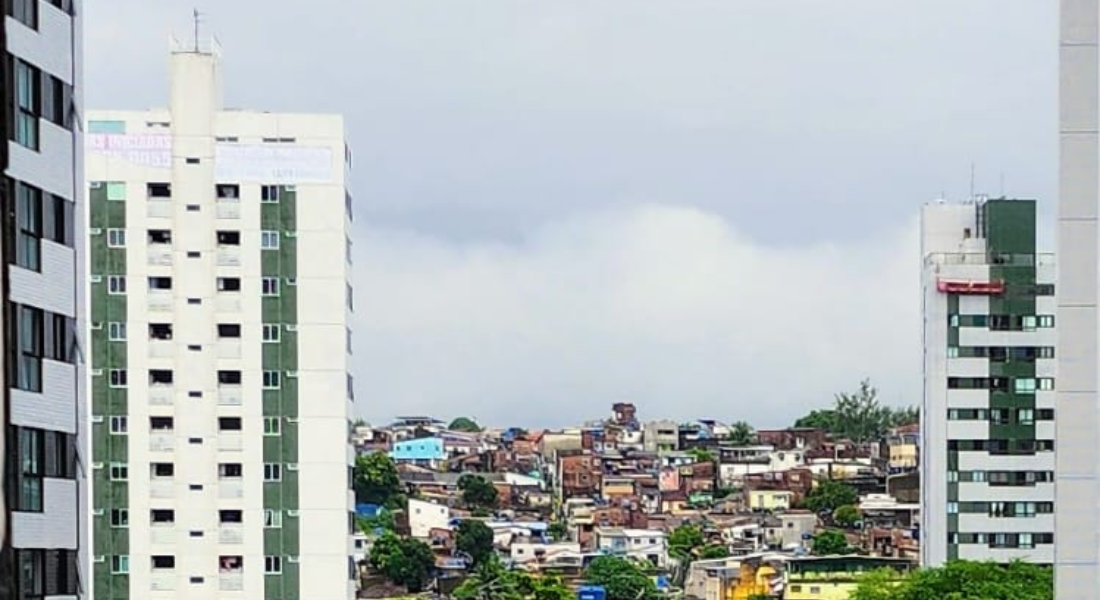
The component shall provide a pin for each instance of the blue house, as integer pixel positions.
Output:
(422, 451)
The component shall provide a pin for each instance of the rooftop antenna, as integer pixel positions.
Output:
(197, 17)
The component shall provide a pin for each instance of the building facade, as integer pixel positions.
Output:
(42, 416)
(1077, 564)
(987, 468)
(220, 311)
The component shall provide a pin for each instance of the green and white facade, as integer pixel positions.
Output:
(987, 459)
(220, 348)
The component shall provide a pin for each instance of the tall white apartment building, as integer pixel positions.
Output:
(42, 415)
(1077, 565)
(220, 311)
(987, 460)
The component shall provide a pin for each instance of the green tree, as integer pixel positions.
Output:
(846, 516)
(683, 541)
(383, 520)
(376, 481)
(476, 539)
(404, 561)
(819, 419)
(742, 434)
(622, 579)
(830, 542)
(962, 580)
(702, 455)
(714, 551)
(491, 581)
(558, 530)
(908, 415)
(477, 492)
(464, 424)
(859, 416)
(829, 495)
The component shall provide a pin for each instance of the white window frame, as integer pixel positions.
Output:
(269, 287)
(1024, 385)
(124, 518)
(1045, 384)
(272, 380)
(118, 468)
(273, 472)
(273, 426)
(118, 374)
(269, 239)
(120, 564)
(273, 197)
(1046, 321)
(271, 333)
(116, 331)
(116, 285)
(119, 425)
(273, 565)
(116, 237)
(273, 519)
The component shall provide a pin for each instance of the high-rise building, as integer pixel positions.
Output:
(987, 458)
(220, 311)
(42, 415)
(1077, 560)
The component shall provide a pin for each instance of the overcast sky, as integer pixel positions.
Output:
(704, 207)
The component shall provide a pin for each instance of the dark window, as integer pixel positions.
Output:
(66, 6)
(229, 377)
(161, 423)
(230, 470)
(231, 516)
(160, 236)
(28, 446)
(58, 216)
(26, 12)
(229, 238)
(229, 330)
(192, 160)
(164, 562)
(60, 338)
(228, 191)
(162, 515)
(28, 333)
(60, 455)
(229, 423)
(27, 92)
(163, 469)
(160, 331)
(30, 574)
(160, 377)
(229, 284)
(56, 99)
(28, 226)
(159, 190)
(160, 283)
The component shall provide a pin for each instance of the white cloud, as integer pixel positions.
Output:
(669, 307)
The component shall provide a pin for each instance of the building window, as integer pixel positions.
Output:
(271, 380)
(31, 470)
(229, 238)
(229, 378)
(269, 240)
(228, 191)
(28, 218)
(31, 573)
(230, 471)
(59, 455)
(26, 12)
(56, 98)
(117, 378)
(229, 284)
(119, 425)
(116, 285)
(273, 426)
(273, 519)
(120, 518)
(120, 564)
(273, 565)
(27, 103)
(163, 284)
(58, 216)
(1046, 384)
(158, 190)
(164, 562)
(30, 339)
(269, 194)
(273, 472)
(229, 331)
(1024, 385)
(270, 286)
(119, 471)
(1046, 321)
(116, 238)
(270, 333)
(116, 331)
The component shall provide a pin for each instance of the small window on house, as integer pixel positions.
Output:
(160, 377)
(162, 470)
(229, 423)
(120, 564)
(269, 194)
(270, 333)
(229, 238)
(229, 470)
(270, 286)
(160, 331)
(160, 283)
(159, 190)
(273, 426)
(116, 285)
(271, 380)
(229, 284)
(120, 517)
(160, 236)
(273, 519)
(116, 331)
(228, 191)
(161, 424)
(162, 516)
(229, 377)
(230, 516)
(273, 472)
(273, 565)
(229, 330)
(117, 378)
(269, 240)
(119, 425)
(116, 238)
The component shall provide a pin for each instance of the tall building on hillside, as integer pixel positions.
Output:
(42, 414)
(1077, 563)
(221, 303)
(987, 464)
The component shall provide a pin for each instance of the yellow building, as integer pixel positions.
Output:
(833, 577)
(757, 576)
(770, 500)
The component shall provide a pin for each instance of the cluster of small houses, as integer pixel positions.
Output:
(620, 486)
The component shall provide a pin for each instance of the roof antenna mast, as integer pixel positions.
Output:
(196, 14)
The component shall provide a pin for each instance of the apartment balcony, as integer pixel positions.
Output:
(160, 254)
(162, 442)
(227, 209)
(227, 302)
(230, 489)
(231, 582)
(229, 256)
(158, 208)
(161, 395)
(231, 534)
(229, 395)
(230, 442)
(162, 488)
(162, 582)
(162, 534)
(229, 348)
(160, 300)
(161, 349)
